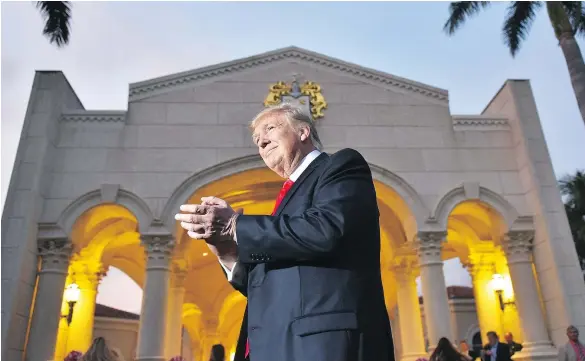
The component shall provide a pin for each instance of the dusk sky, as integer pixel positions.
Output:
(114, 44)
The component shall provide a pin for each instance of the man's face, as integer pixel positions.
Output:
(573, 334)
(492, 339)
(508, 337)
(464, 347)
(278, 143)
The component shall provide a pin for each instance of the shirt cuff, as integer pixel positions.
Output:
(227, 271)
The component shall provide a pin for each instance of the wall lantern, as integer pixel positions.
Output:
(499, 284)
(71, 297)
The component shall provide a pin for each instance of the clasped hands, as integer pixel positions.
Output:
(213, 221)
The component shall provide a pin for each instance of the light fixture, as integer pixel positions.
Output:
(205, 254)
(71, 296)
(498, 284)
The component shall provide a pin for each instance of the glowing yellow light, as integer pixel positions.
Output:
(72, 293)
(205, 254)
(498, 282)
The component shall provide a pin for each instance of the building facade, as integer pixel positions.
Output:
(97, 189)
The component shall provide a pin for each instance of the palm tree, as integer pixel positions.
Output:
(573, 189)
(57, 15)
(566, 17)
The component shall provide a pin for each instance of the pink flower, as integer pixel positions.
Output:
(73, 356)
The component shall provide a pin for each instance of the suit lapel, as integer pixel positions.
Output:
(322, 157)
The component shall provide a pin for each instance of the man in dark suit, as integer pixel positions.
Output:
(495, 350)
(311, 270)
(514, 346)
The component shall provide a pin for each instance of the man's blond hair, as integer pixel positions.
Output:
(294, 115)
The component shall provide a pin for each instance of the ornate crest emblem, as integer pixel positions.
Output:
(307, 96)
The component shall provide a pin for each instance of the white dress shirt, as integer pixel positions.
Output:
(494, 351)
(309, 158)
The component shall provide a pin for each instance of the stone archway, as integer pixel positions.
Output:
(246, 183)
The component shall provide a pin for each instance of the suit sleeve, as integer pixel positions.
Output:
(343, 194)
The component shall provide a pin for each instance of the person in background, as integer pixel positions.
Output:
(514, 346)
(464, 349)
(445, 351)
(74, 356)
(573, 350)
(495, 350)
(217, 353)
(99, 351)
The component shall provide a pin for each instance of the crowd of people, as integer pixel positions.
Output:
(100, 351)
(494, 350)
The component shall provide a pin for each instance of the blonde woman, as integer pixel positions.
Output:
(99, 351)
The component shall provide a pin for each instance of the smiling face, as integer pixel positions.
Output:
(281, 146)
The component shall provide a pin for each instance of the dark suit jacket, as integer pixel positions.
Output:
(502, 353)
(311, 272)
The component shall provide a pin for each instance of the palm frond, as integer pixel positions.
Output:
(573, 188)
(518, 22)
(576, 13)
(459, 11)
(57, 15)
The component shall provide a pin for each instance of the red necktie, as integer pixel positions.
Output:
(285, 188)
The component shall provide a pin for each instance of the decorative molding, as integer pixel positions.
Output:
(309, 91)
(109, 192)
(50, 231)
(94, 116)
(479, 122)
(457, 195)
(518, 246)
(55, 254)
(146, 88)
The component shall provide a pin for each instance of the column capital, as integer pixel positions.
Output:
(158, 250)
(518, 246)
(55, 254)
(429, 245)
(404, 269)
(87, 273)
(178, 273)
(480, 264)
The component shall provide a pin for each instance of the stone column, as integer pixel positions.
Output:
(42, 337)
(411, 329)
(434, 291)
(537, 345)
(210, 337)
(174, 328)
(481, 267)
(151, 334)
(87, 274)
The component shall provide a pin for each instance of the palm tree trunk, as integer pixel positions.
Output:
(559, 19)
(576, 66)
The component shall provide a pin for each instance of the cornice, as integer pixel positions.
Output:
(144, 89)
(94, 116)
(479, 122)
